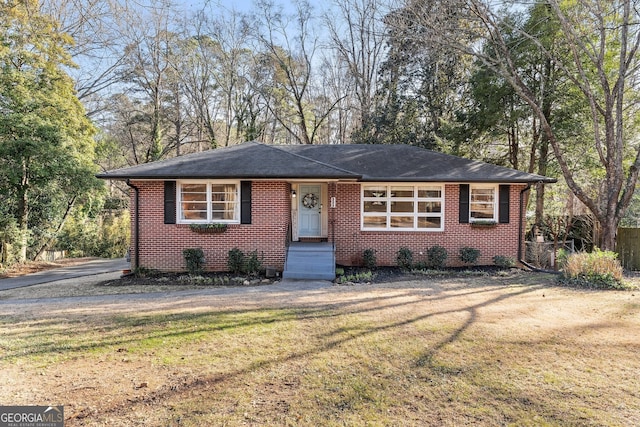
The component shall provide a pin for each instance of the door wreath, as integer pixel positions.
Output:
(309, 200)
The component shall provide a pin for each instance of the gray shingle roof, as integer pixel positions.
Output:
(253, 160)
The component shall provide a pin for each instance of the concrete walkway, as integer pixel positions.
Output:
(90, 268)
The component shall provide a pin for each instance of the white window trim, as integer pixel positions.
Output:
(209, 220)
(493, 187)
(415, 199)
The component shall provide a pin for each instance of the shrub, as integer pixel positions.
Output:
(253, 263)
(364, 276)
(105, 236)
(419, 266)
(504, 261)
(369, 258)
(598, 270)
(437, 256)
(469, 255)
(236, 260)
(404, 258)
(194, 258)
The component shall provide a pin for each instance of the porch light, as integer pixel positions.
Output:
(293, 193)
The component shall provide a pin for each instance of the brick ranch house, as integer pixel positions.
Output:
(329, 201)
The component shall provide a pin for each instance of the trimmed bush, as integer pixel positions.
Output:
(369, 258)
(596, 270)
(504, 261)
(437, 256)
(420, 266)
(194, 258)
(253, 263)
(404, 258)
(469, 255)
(236, 260)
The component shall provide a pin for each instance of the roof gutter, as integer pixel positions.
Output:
(521, 235)
(136, 223)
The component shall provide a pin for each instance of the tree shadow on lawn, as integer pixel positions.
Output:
(44, 340)
(45, 336)
(102, 335)
(336, 338)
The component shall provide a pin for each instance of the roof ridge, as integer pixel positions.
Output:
(275, 147)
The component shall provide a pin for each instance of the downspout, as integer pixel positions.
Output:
(521, 236)
(332, 210)
(136, 223)
(520, 225)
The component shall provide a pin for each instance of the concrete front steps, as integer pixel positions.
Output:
(306, 260)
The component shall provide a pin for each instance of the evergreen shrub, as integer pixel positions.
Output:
(404, 258)
(369, 258)
(194, 258)
(437, 256)
(469, 255)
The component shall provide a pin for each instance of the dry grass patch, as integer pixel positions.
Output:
(472, 351)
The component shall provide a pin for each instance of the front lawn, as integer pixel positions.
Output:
(473, 350)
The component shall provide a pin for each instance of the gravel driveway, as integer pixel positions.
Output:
(92, 294)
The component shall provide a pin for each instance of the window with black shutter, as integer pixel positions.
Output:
(245, 202)
(463, 208)
(503, 207)
(169, 202)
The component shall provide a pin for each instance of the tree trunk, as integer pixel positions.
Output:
(23, 226)
(50, 240)
(4, 253)
(542, 170)
(23, 215)
(608, 233)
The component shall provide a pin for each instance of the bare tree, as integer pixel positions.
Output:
(602, 41)
(195, 63)
(98, 47)
(357, 32)
(290, 50)
(147, 73)
(231, 32)
(338, 84)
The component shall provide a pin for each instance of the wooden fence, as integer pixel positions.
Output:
(628, 247)
(53, 255)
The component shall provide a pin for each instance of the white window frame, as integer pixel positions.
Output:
(494, 188)
(209, 220)
(389, 199)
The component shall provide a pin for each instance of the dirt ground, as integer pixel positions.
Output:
(87, 388)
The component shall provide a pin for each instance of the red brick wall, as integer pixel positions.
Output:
(501, 239)
(161, 244)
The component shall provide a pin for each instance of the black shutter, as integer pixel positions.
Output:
(463, 209)
(245, 202)
(169, 202)
(503, 207)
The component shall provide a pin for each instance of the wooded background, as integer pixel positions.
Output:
(549, 87)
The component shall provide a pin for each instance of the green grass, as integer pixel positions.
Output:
(470, 354)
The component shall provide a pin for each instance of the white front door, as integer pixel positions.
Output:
(310, 210)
